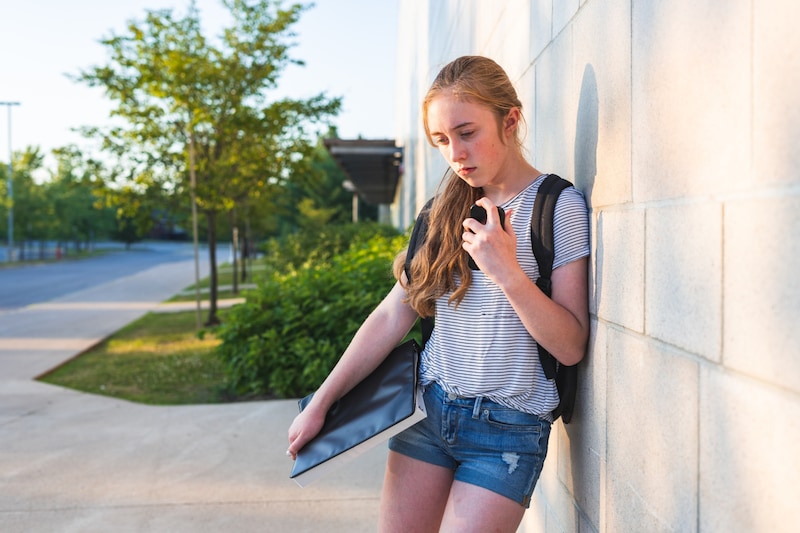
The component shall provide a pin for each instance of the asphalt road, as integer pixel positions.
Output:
(27, 284)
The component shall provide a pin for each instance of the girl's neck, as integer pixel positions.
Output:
(516, 178)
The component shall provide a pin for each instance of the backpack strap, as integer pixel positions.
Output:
(542, 242)
(542, 228)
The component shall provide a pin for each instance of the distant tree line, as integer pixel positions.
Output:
(79, 201)
(60, 208)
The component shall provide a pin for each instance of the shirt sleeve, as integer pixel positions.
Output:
(570, 228)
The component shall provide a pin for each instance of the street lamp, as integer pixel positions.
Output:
(10, 187)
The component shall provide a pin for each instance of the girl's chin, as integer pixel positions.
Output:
(471, 182)
(470, 178)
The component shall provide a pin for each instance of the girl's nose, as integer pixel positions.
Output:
(457, 151)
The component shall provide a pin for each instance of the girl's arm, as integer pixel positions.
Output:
(560, 324)
(385, 327)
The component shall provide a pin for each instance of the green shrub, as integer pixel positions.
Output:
(291, 331)
(293, 251)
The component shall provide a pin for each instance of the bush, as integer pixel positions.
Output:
(283, 254)
(291, 331)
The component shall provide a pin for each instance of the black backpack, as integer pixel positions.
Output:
(543, 250)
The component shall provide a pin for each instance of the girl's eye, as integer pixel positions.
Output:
(465, 134)
(440, 141)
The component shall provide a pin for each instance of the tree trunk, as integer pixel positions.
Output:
(246, 248)
(212, 319)
(235, 251)
(235, 242)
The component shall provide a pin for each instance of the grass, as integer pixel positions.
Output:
(224, 279)
(159, 359)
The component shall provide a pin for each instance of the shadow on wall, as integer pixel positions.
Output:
(584, 465)
(586, 134)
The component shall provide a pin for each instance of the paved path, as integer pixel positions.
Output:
(75, 462)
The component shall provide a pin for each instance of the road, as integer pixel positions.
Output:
(26, 284)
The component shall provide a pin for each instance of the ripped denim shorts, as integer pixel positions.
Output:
(484, 443)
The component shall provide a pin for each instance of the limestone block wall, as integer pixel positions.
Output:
(680, 122)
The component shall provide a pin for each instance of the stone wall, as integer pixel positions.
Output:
(680, 122)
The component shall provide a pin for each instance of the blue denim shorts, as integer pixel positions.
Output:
(484, 443)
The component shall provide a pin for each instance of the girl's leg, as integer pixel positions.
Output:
(474, 509)
(414, 495)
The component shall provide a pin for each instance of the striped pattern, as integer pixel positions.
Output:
(482, 348)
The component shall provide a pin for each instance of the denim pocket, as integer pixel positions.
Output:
(503, 430)
(512, 420)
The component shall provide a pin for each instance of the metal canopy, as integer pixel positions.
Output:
(373, 166)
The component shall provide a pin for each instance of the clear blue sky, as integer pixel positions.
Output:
(348, 46)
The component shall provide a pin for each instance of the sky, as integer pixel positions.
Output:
(348, 47)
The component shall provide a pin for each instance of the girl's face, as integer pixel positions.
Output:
(468, 137)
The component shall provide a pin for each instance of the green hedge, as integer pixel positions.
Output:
(304, 248)
(291, 331)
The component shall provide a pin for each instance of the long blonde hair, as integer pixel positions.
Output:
(440, 260)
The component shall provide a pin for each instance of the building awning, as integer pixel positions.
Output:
(372, 166)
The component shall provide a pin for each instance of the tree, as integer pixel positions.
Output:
(74, 196)
(177, 94)
(29, 203)
(321, 187)
(64, 207)
(141, 207)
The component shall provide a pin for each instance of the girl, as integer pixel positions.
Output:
(473, 463)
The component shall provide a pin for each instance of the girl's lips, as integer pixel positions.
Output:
(466, 171)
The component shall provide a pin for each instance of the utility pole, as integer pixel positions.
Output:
(10, 257)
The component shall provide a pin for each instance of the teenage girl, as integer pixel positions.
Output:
(473, 463)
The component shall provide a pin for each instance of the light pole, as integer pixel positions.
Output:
(10, 257)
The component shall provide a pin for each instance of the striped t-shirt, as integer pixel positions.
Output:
(482, 348)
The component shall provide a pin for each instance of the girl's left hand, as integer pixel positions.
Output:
(492, 246)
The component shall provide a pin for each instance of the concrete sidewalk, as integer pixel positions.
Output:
(71, 461)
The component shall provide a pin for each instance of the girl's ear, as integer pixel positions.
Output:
(511, 121)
